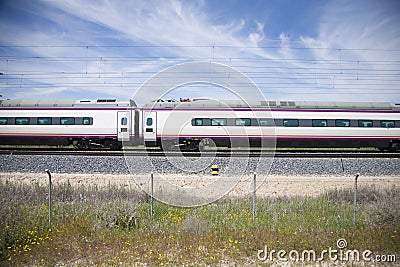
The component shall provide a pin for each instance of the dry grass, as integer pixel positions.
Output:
(112, 226)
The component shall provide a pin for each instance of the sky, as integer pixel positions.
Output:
(306, 50)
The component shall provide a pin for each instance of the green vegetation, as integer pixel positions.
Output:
(112, 226)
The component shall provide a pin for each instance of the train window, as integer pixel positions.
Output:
(290, 122)
(365, 123)
(342, 123)
(319, 123)
(266, 122)
(124, 121)
(198, 122)
(22, 121)
(243, 122)
(3, 121)
(149, 121)
(272, 103)
(387, 124)
(218, 122)
(86, 121)
(67, 121)
(44, 121)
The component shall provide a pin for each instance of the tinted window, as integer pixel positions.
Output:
(22, 121)
(218, 122)
(149, 121)
(67, 121)
(342, 123)
(243, 122)
(44, 121)
(290, 123)
(387, 124)
(319, 123)
(266, 122)
(3, 121)
(365, 123)
(124, 121)
(86, 121)
(198, 122)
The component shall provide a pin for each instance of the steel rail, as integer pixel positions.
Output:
(141, 153)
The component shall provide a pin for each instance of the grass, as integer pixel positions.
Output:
(112, 226)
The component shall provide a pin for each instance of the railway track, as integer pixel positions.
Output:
(142, 153)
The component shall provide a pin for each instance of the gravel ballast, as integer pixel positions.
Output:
(229, 166)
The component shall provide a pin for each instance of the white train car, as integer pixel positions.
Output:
(284, 124)
(189, 125)
(85, 123)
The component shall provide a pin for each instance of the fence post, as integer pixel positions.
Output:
(254, 195)
(151, 195)
(50, 197)
(355, 198)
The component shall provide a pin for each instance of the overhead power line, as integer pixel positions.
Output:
(344, 73)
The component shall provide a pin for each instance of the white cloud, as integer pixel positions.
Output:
(128, 41)
(360, 25)
(358, 40)
(257, 36)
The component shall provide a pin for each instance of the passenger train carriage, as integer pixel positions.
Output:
(190, 125)
(84, 123)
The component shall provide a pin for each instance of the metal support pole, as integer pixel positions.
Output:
(254, 195)
(50, 197)
(151, 195)
(355, 198)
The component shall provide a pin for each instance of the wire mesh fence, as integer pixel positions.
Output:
(116, 220)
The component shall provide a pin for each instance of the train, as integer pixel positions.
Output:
(195, 124)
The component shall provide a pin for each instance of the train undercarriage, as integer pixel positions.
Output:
(210, 144)
(78, 143)
(200, 144)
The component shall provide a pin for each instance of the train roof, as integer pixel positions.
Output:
(67, 103)
(205, 103)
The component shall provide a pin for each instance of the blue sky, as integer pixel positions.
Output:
(292, 50)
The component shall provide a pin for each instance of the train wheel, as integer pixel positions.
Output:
(82, 145)
(115, 145)
(169, 145)
(193, 146)
(207, 144)
(394, 147)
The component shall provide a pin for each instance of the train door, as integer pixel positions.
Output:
(124, 125)
(150, 127)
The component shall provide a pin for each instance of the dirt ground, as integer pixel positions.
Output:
(273, 185)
